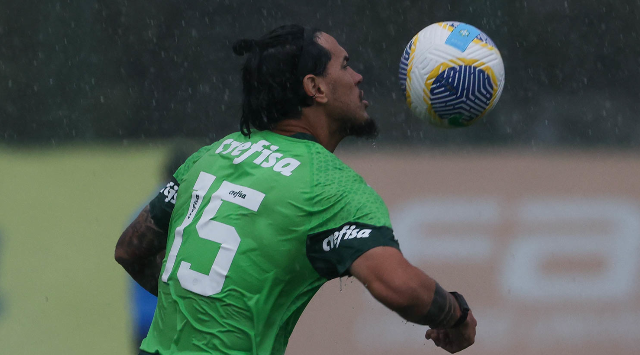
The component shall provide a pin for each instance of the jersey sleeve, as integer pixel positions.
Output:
(332, 252)
(161, 207)
(352, 219)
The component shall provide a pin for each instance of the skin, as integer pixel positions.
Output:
(339, 110)
(338, 101)
(141, 249)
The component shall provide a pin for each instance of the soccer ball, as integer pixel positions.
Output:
(451, 74)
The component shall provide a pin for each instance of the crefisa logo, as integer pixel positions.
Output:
(347, 232)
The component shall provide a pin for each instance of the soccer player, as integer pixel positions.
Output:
(255, 223)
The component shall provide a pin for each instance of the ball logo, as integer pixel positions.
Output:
(460, 94)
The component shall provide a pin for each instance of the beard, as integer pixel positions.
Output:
(362, 129)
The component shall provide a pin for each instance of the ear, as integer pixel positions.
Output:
(315, 87)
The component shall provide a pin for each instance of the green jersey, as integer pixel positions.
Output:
(259, 224)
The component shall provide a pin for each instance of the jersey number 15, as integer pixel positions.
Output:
(214, 231)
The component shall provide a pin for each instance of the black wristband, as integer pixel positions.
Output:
(464, 309)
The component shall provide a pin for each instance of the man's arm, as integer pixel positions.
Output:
(141, 249)
(415, 296)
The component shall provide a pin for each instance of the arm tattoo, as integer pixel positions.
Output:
(141, 249)
(442, 312)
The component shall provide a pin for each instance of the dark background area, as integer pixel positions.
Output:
(97, 70)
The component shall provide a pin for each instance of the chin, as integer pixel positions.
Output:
(366, 128)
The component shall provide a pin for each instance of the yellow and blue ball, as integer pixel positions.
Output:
(451, 74)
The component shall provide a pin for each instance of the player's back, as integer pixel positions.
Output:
(236, 275)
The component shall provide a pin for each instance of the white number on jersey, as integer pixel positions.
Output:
(214, 231)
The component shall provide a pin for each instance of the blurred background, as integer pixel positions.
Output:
(533, 213)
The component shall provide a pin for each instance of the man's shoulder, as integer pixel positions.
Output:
(335, 181)
(344, 196)
(328, 169)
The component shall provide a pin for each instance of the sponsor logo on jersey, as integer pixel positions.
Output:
(347, 232)
(267, 157)
(171, 192)
(238, 194)
(194, 206)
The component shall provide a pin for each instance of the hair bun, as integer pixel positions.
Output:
(244, 46)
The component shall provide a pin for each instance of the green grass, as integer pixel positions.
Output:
(61, 214)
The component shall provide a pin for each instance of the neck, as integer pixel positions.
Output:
(315, 124)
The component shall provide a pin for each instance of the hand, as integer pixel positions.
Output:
(455, 339)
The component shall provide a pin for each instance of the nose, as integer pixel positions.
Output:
(357, 78)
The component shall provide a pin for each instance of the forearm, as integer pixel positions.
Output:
(443, 310)
(405, 289)
(140, 250)
(427, 302)
(146, 272)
